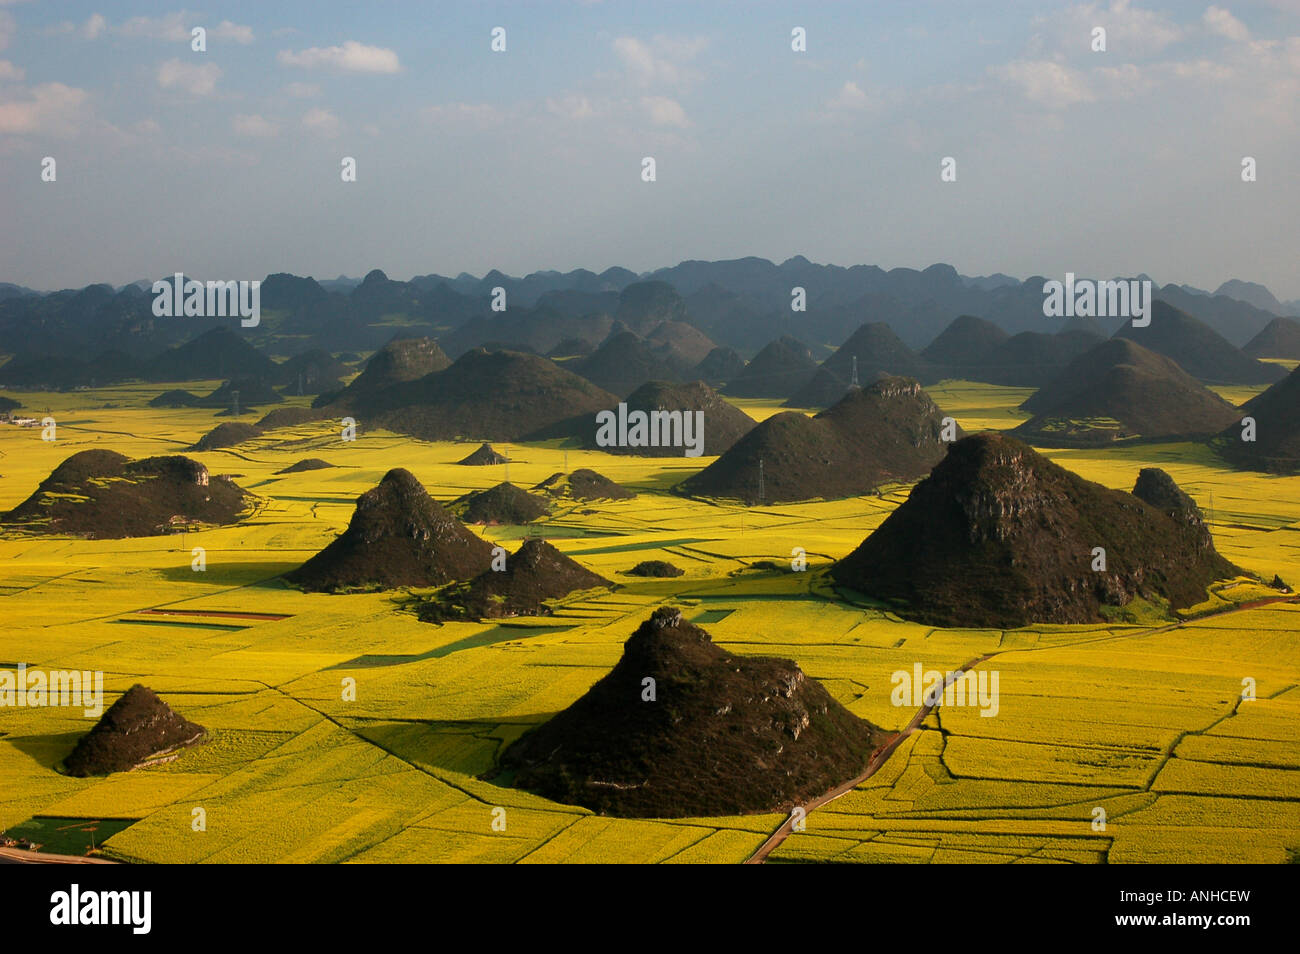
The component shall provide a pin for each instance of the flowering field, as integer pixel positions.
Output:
(1147, 724)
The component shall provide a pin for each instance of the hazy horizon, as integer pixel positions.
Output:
(645, 274)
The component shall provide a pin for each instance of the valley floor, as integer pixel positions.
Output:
(1145, 722)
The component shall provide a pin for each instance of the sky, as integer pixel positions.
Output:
(226, 163)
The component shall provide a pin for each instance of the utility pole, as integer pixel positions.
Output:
(234, 396)
(761, 497)
(854, 383)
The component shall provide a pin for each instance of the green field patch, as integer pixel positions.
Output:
(549, 531)
(217, 614)
(185, 624)
(68, 836)
(342, 501)
(648, 545)
(711, 616)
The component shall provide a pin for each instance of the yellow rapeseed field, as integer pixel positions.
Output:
(1119, 743)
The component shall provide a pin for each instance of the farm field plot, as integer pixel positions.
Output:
(1144, 723)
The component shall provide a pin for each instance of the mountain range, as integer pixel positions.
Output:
(106, 333)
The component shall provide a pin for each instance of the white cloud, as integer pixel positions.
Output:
(1154, 30)
(662, 61)
(572, 106)
(1130, 30)
(9, 72)
(679, 48)
(475, 114)
(302, 90)
(850, 96)
(1221, 21)
(94, 26)
(177, 27)
(48, 108)
(1122, 82)
(193, 78)
(351, 57)
(1200, 69)
(664, 111)
(1046, 82)
(321, 121)
(174, 27)
(236, 32)
(253, 125)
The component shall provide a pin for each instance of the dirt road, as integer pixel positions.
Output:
(878, 758)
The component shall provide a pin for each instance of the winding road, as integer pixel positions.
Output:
(878, 758)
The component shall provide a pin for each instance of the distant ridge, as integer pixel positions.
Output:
(778, 371)
(1030, 359)
(1280, 339)
(967, 341)
(399, 361)
(874, 351)
(719, 366)
(1199, 349)
(107, 335)
(1120, 390)
(219, 353)
(888, 431)
(624, 361)
(483, 395)
(724, 424)
(1276, 445)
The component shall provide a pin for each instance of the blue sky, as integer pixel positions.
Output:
(226, 163)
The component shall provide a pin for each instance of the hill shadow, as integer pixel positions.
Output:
(262, 575)
(50, 750)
